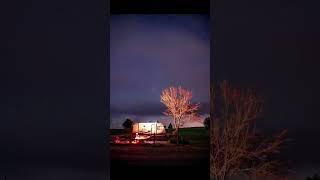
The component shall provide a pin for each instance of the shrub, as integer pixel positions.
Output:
(206, 123)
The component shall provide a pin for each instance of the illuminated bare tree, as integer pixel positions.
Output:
(236, 148)
(178, 103)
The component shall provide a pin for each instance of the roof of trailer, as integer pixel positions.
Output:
(147, 122)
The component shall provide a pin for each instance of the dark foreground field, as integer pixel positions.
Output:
(158, 162)
(165, 161)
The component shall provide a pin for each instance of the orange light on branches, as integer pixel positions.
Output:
(178, 103)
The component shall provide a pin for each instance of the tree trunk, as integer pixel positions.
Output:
(177, 129)
(217, 177)
(176, 122)
(177, 135)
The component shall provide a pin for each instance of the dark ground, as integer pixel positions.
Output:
(159, 162)
(165, 161)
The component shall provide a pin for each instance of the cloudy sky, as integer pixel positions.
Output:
(151, 52)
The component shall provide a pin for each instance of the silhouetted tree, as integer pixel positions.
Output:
(206, 123)
(178, 103)
(127, 124)
(236, 150)
(170, 126)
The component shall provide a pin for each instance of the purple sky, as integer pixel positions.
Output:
(151, 52)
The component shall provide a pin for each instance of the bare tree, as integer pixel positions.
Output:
(236, 148)
(178, 103)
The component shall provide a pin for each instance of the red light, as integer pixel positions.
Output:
(135, 142)
(117, 139)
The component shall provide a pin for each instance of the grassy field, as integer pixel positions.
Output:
(161, 161)
(195, 135)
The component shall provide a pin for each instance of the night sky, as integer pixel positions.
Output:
(54, 87)
(151, 52)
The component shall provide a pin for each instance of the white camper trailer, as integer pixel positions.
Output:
(149, 128)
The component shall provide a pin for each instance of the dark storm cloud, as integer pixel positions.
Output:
(151, 52)
(151, 109)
